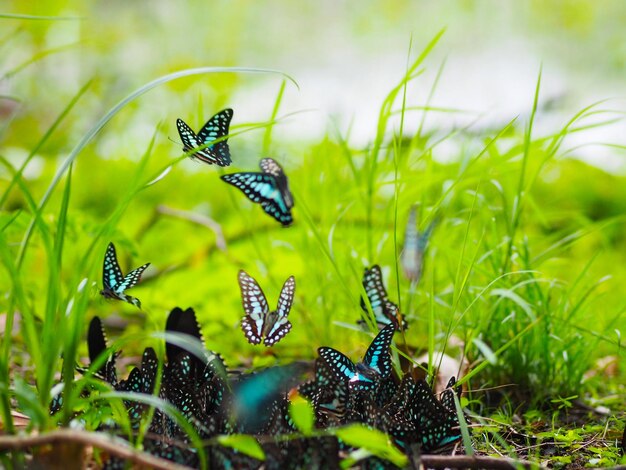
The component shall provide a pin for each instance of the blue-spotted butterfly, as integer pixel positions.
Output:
(415, 244)
(215, 128)
(376, 364)
(269, 188)
(435, 425)
(115, 283)
(385, 311)
(260, 323)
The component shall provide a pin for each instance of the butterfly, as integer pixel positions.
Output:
(259, 322)
(215, 128)
(114, 283)
(385, 311)
(376, 364)
(435, 425)
(269, 188)
(415, 244)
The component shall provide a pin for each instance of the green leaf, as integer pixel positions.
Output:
(301, 412)
(372, 440)
(243, 443)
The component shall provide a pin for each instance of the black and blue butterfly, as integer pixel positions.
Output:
(115, 283)
(435, 425)
(215, 128)
(385, 311)
(269, 188)
(415, 244)
(376, 364)
(260, 323)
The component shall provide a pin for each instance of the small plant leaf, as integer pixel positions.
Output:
(301, 412)
(372, 440)
(243, 443)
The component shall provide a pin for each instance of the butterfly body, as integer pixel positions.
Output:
(215, 128)
(269, 188)
(259, 323)
(115, 283)
(385, 311)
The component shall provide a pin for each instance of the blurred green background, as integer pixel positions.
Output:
(345, 57)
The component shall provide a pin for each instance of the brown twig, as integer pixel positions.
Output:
(113, 445)
(470, 461)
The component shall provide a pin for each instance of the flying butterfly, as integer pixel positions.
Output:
(385, 311)
(115, 283)
(415, 244)
(376, 364)
(260, 323)
(215, 128)
(269, 188)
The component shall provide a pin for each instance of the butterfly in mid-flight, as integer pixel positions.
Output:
(115, 283)
(269, 188)
(260, 323)
(215, 128)
(376, 364)
(414, 248)
(385, 310)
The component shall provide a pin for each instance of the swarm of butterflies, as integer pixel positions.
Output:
(218, 401)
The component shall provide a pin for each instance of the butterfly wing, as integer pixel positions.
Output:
(377, 355)
(187, 135)
(447, 396)
(271, 166)
(262, 188)
(340, 365)
(131, 279)
(96, 344)
(281, 325)
(255, 307)
(111, 273)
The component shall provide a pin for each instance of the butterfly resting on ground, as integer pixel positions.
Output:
(385, 310)
(365, 375)
(269, 188)
(260, 323)
(115, 283)
(215, 128)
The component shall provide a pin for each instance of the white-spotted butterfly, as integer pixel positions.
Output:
(114, 282)
(215, 128)
(269, 188)
(260, 323)
(385, 311)
(376, 364)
